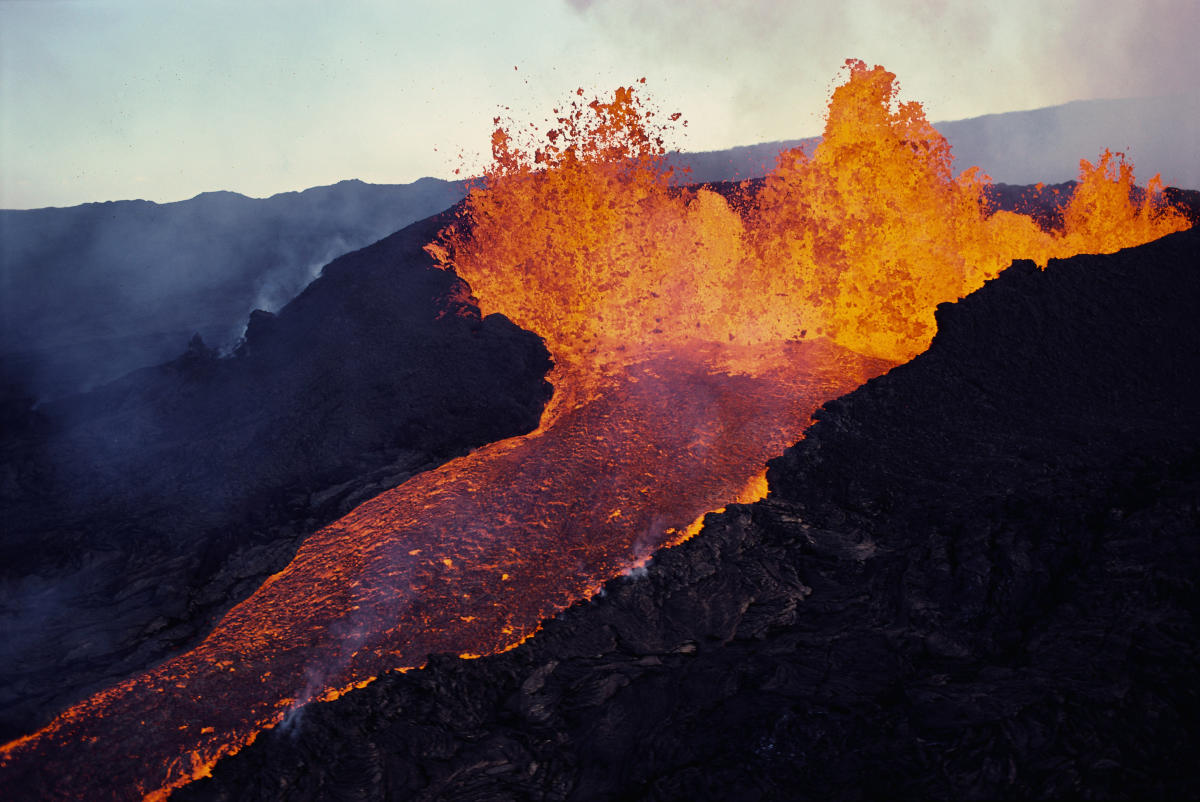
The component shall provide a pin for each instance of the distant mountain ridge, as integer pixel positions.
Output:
(1159, 134)
(90, 292)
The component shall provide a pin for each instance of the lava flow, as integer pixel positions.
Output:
(694, 333)
(470, 557)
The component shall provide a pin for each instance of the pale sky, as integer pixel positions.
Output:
(164, 99)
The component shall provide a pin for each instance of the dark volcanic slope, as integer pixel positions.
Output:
(976, 577)
(136, 513)
(89, 293)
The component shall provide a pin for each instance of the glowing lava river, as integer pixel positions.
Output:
(465, 559)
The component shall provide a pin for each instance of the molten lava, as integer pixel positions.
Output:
(584, 241)
(675, 317)
(467, 559)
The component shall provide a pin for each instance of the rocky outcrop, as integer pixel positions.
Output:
(976, 577)
(136, 514)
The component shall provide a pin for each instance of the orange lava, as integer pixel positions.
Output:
(582, 239)
(675, 317)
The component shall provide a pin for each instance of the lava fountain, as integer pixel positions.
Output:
(694, 334)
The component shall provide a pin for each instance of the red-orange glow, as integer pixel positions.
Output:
(674, 316)
(568, 236)
(584, 242)
(872, 232)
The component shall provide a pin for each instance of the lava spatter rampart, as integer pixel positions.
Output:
(675, 317)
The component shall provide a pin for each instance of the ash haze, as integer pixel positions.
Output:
(114, 99)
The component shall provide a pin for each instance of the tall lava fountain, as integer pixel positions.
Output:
(694, 332)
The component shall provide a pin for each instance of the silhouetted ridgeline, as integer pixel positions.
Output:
(92, 292)
(1159, 134)
(976, 577)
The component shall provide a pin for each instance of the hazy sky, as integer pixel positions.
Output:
(114, 99)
